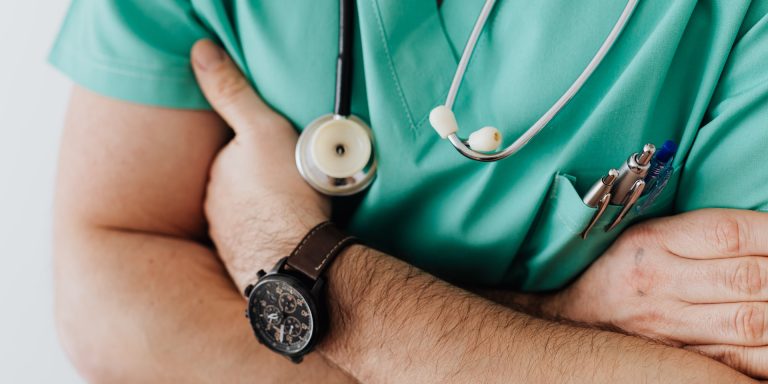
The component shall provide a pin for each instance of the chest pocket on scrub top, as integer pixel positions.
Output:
(554, 251)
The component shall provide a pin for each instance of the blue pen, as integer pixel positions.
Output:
(659, 173)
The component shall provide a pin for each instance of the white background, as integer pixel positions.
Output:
(32, 102)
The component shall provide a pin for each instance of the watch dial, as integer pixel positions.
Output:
(281, 316)
(287, 302)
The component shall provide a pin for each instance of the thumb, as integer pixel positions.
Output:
(229, 93)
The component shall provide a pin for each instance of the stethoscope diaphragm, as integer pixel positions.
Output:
(335, 155)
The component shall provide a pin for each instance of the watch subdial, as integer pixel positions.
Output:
(272, 315)
(292, 326)
(288, 302)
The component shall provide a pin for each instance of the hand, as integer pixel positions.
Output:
(258, 206)
(697, 280)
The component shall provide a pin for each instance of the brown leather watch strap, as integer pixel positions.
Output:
(318, 248)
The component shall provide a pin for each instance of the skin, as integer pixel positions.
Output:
(696, 280)
(700, 280)
(390, 320)
(142, 297)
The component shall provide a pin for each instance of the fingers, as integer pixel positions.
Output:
(713, 233)
(230, 93)
(752, 361)
(731, 280)
(729, 323)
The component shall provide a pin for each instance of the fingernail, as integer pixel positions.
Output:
(207, 55)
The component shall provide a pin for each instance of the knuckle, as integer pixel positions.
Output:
(741, 359)
(730, 356)
(643, 234)
(749, 322)
(229, 87)
(725, 235)
(273, 120)
(747, 277)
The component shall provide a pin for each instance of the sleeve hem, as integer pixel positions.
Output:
(172, 87)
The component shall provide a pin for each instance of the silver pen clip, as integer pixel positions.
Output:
(631, 182)
(629, 201)
(599, 196)
(635, 168)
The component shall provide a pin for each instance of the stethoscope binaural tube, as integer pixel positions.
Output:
(335, 153)
(482, 144)
(343, 100)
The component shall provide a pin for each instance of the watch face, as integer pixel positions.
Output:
(281, 315)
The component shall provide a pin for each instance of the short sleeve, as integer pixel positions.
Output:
(727, 166)
(133, 50)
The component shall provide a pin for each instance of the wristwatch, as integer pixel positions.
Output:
(286, 306)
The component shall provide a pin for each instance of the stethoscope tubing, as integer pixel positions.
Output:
(319, 170)
(544, 120)
(344, 60)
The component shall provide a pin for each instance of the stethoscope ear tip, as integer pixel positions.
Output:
(443, 121)
(485, 139)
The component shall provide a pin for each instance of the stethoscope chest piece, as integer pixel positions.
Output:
(335, 155)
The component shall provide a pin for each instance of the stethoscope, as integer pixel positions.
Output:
(335, 153)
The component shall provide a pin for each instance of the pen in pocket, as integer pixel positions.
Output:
(634, 169)
(659, 174)
(599, 196)
(623, 187)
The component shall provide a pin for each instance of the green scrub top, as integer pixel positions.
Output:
(694, 71)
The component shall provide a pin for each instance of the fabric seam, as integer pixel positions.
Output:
(390, 64)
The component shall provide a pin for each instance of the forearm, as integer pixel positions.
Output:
(135, 307)
(394, 323)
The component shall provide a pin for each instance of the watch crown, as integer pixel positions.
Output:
(248, 290)
(260, 273)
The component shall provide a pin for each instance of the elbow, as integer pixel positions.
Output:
(84, 353)
(84, 313)
(80, 333)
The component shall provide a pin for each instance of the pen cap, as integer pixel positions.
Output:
(600, 188)
(635, 168)
(667, 150)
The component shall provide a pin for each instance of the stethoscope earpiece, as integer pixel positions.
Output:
(443, 121)
(486, 139)
(483, 144)
(335, 155)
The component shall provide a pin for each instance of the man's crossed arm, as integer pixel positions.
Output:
(140, 298)
(392, 322)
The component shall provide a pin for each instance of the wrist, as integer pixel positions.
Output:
(251, 248)
(349, 284)
(287, 304)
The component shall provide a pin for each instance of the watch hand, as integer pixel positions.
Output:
(282, 332)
